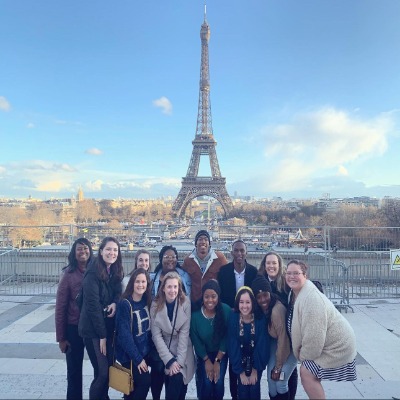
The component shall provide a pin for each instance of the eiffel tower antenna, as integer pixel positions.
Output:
(203, 144)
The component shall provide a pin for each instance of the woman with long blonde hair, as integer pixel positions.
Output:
(170, 315)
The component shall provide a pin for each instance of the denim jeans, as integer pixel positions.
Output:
(250, 392)
(205, 388)
(279, 387)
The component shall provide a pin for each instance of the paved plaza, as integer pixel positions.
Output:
(32, 366)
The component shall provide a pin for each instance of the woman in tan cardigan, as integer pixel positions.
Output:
(322, 339)
(170, 326)
(281, 362)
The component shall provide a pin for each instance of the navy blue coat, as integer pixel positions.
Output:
(261, 346)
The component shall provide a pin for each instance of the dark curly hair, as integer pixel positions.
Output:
(72, 261)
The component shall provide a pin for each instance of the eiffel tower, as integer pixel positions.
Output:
(203, 144)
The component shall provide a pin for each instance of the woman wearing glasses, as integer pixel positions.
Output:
(169, 262)
(322, 339)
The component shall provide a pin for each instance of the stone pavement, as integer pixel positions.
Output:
(32, 367)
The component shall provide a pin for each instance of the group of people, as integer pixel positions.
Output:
(196, 319)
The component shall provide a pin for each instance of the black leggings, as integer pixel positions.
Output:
(99, 386)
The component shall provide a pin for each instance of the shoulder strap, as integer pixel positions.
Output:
(173, 326)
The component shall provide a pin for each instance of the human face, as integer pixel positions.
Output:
(109, 253)
(202, 246)
(169, 261)
(82, 253)
(272, 266)
(171, 289)
(139, 286)
(210, 299)
(143, 261)
(239, 253)
(295, 277)
(245, 305)
(264, 300)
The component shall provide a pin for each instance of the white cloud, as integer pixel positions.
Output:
(4, 104)
(319, 143)
(342, 171)
(164, 104)
(94, 151)
(94, 186)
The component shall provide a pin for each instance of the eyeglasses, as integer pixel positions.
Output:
(169, 257)
(294, 273)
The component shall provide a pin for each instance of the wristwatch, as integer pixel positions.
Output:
(217, 360)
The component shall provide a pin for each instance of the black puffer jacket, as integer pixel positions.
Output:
(97, 294)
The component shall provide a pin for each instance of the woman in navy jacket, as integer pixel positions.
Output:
(248, 345)
(133, 340)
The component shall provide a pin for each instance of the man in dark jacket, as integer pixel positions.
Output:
(231, 277)
(236, 274)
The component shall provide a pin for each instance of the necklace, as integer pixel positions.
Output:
(211, 319)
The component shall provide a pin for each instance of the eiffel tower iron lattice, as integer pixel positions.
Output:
(203, 145)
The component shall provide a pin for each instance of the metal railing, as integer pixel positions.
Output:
(345, 276)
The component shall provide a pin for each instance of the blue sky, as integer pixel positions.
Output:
(103, 95)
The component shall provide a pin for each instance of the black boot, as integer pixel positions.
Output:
(273, 397)
(293, 384)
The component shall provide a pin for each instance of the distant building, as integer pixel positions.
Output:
(80, 194)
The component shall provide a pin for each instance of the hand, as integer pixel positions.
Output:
(253, 377)
(244, 379)
(113, 308)
(217, 367)
(142, 367)
(208, 365)
(174, 369)
(275, 373)
(103, 346)
(63, 345)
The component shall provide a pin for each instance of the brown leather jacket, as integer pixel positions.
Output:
(191, 266)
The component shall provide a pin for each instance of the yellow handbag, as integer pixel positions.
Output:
(119, 377)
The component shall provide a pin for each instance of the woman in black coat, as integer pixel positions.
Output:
(101, 293)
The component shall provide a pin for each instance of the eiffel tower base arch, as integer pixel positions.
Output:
(196, 187)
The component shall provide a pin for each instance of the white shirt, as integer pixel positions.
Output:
(239, 278)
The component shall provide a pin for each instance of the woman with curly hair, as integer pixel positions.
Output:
(208, 331)
(169, 262)
(67, 314)
(281, 362)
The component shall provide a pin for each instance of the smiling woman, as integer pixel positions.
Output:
(133, 338)
(322, 339)
(101, 292)
(170, 323)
